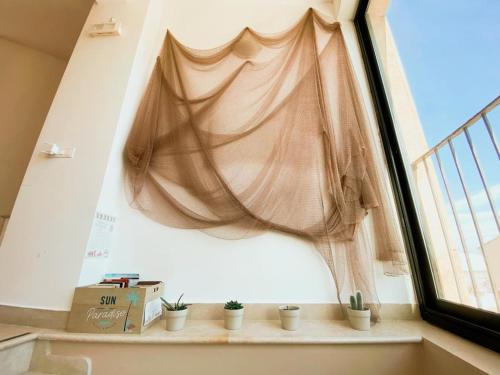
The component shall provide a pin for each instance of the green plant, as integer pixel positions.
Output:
(176, 306)
(233, 305)
(357, 302)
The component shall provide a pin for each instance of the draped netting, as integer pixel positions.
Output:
(267, 132)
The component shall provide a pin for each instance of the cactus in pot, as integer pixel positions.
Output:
(358, 314)
(357, 302)
(233, 315)
(176, 314)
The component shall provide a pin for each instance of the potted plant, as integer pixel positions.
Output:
(233, 315)
(176, 314)
(290, 317)
(358, 314)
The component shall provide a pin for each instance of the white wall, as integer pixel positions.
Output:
(42, 252)
(269, 268)
(92, 111)
(111, 199)
(28, 83)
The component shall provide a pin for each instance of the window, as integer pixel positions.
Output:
(433, 72)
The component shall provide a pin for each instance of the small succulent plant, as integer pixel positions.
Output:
(176, 306)
(357, 302)
(233, 305)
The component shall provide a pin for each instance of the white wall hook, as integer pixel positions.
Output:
(108, 28)
(53, 150)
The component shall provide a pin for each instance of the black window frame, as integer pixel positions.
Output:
(477, 325)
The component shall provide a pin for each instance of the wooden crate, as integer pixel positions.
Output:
(114, 310)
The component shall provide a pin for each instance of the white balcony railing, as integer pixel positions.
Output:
(473, 256)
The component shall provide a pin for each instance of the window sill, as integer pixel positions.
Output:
(257, 332)
(315, 332)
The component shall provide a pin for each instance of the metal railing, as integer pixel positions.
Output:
(448, 143)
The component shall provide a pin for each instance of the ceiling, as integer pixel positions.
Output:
(52, 26)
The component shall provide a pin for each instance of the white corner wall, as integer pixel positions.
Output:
(42, 252)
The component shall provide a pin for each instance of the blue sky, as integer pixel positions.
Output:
(451, 54)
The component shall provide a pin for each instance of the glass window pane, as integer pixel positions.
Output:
(439, 63)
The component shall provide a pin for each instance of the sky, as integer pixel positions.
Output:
(451, 54)
(450, 50)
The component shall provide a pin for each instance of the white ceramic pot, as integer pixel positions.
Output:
(233, 319)
(290, 317)
(176, 319)
(359, 319)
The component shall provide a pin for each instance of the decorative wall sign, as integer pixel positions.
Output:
(100, 240)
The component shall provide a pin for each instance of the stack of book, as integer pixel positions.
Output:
(118, 280)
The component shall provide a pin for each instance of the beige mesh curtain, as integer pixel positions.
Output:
(266, 132)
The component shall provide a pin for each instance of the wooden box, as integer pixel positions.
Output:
(115, 310)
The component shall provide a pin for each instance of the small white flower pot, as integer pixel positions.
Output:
(290, 317)
(176, 319)
(233, 319)
(359, 319)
